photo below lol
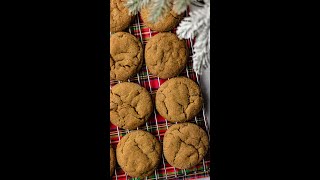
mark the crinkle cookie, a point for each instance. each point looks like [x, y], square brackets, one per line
[112, 161]
[185, 145]
[179, 99]
[119, 16]
[130, 105]
[166, 55]
[138, 153]
[126, 56]
[165, 23]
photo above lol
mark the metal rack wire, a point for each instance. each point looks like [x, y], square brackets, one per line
[157, 125]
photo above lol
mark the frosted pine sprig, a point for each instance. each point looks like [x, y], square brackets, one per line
[201, 52]
[180, 6]
[198, 25]
[192, 25]
[158, 9]
[135, 6]
[185, 29]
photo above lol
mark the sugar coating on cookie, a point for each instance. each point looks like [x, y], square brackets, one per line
[130, 105]
[119, 15]
[179, 99]
[126, 56]
[112, 161]
[138, 153]
[165, 23]
[166, 55]
[185, 145]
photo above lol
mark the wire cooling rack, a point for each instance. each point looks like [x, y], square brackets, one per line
[156, 124]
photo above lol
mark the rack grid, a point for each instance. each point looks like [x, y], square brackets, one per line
[156, 124]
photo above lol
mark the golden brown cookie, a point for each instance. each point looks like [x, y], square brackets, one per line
[130, 105]
[179, 99]
[138, 153]
[185, 145]
[112, 161]
[119, 15]
[165, 23]
[126, 56]
[166, 55]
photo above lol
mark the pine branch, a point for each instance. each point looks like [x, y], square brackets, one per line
[144, 2]
[192, 25]
[135, 6]
[158, 9]
[185, 29]
[198, 3]
[180, 6]
[201, 51]
[200, 18]
[198, 25]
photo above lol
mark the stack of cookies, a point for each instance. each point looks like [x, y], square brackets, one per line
[178, 99]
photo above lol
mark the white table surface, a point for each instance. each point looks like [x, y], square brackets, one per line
[205, 83]
[205, 88]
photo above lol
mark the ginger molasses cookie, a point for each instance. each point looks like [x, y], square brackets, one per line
[138, 153]
[165, 23]
[119, 15]
[130, 105]
[166, 55]
[112, 161]
[185, 145]
[126, 56]
[179, 99]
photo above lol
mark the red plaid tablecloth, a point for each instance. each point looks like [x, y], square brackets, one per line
[157, 125]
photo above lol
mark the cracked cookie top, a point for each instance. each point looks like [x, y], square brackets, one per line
[126, 54]
[138, 153]
[112, 161]
[165, 23]
[185, 145]
[179, 99]
[130, 105]
[166, 55]
[119, 16]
